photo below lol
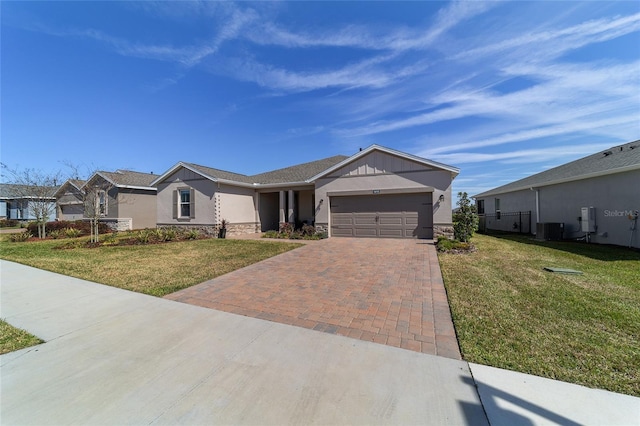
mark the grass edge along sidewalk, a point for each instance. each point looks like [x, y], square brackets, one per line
[509, 313]
[155, 269]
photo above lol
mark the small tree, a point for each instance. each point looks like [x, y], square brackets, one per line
[95, 198]
[35, 188]
[465, 220]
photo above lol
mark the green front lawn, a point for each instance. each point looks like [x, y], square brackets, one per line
[156, 269]
[510, 313]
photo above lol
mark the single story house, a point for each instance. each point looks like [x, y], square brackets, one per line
[70, 200]
[377, 192]
[595, 198]
[124, 199]
[17, 202]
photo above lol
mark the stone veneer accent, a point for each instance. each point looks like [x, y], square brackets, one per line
[443, 229]
[118, 224]
[322, 227]
[232, 228]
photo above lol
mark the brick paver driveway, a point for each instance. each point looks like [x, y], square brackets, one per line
[385, 291]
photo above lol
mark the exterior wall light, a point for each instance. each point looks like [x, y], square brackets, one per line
[441, 198]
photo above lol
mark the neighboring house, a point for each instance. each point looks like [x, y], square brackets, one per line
[596, 198]
[125, 199]
[17, 201]
[70, 200]
[378, 192]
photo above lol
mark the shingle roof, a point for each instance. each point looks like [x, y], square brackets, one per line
[220, 174]
[298, 173]
[129, 178]
[11, 190]
[610, 160]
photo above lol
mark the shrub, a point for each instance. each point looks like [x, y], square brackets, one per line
[55, 234]
[465, 220]
[72, 232]
[192, 234]
[20, 237]
[144, 236]
[9, 223]
[169, 234]
[286, 229]
[81, 225]
[453, 246]
[270, 234]
[308, 230]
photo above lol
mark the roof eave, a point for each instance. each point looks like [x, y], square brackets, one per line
[559, 181]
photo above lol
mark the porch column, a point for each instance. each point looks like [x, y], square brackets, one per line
[290, 210]
[281, 217]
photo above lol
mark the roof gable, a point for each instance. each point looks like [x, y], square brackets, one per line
[401, 155]
[126, 179]
[613, 160]
[76, 184]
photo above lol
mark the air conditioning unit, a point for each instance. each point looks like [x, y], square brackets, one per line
[549, 231]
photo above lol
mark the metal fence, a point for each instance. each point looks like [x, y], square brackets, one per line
[517, 222]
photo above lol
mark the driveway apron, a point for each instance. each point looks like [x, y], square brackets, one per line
[388, 291]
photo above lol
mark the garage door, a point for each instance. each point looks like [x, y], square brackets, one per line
[382, 216]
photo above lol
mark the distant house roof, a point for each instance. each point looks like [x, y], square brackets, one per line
[617, 159]
[127, 179]
[11, 191]
[76, 183]
[300, 173]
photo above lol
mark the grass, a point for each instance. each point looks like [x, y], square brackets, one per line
[509, 313]
[156, 269]
[13, 339]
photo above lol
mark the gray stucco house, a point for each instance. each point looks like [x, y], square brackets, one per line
[595, 198]
[377, 192]
[70, 200]
[126, 199]
[17, 201]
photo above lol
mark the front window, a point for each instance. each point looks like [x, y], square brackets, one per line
[497, 208]
[185, 203]
[480, 206]
[102, 203]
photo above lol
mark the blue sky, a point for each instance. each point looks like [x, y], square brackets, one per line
[500, 90]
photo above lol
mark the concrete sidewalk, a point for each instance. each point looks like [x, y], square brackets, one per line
[117, 357]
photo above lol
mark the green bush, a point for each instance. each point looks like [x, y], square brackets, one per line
[71, 232]
[444, 244]
[80, 225]
[56, 234]
[465, 220]
[20, 237]
[9, 223]
[192, 234]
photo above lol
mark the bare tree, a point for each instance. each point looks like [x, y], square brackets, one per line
[36, 189]
[95, 201]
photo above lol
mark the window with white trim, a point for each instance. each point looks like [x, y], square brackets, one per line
[497, 205]
[184, 203]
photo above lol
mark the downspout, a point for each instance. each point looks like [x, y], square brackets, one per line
[537, 206]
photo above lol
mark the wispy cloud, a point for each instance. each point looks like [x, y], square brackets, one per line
[525, 156]
[364, 37]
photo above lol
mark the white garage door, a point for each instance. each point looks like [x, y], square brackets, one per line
[382, 216]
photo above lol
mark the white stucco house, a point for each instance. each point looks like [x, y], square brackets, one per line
[595, 198]
[377, 192]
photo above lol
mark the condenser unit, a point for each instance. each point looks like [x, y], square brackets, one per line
[550, 231]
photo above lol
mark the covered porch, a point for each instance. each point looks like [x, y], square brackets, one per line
[286, 205]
